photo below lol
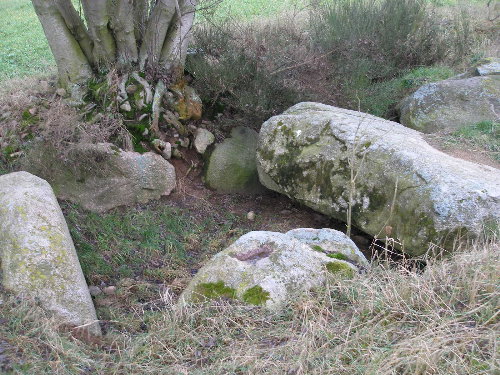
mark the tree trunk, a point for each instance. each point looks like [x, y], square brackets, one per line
[127, 35]
[73, 65]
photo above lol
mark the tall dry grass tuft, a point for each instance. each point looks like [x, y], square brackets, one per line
[443, 320]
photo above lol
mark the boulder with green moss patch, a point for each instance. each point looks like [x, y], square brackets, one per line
[333, 243]
[38, 258]
[452, 104]
[101, 176]
[404, 188]
[264, 268]
[231, 167]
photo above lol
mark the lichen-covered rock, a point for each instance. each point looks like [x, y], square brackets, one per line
[488, 66]
[332, 242]
[37, 254]
[264, 268]
[186, 102]
[101, 176]
[451, 104]
[404, 188]
[202, 139]
[231, 167]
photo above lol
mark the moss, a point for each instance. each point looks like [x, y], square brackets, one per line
[340, 268]
[266, 154]
[115, 149]
[317, 248]
[491, 228]
[137, 130]
[29, 119]
[338, 256]
[213, 291]
[97, 92]
[256, 295]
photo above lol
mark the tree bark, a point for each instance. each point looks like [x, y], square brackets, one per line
[72, 64]
[141, 9]
[129, 35]
[98, 19]
[174, 50]
[156, 31]
[76, 27]
[122, 24]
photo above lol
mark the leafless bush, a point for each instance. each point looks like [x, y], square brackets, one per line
[62, 126]
[256, 69]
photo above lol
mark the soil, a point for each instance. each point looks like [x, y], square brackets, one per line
[479, 156]
[273, 211]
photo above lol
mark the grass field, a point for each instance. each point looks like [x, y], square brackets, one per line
[23, 47]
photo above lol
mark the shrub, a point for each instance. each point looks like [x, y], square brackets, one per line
[374, 41]
[237, 67]
[351, 53]
[380, 99]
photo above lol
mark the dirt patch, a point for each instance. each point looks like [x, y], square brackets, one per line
[273, 212]
[460, 150]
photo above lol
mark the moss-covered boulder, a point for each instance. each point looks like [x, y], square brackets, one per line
[37, 254]
[264, 268]
[101, 176]
[231, 167]
[452, 104]
[404, 188]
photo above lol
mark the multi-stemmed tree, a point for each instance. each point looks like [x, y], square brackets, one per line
[132, 50]
[127, 35]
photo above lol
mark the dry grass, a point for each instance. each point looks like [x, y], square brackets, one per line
[32, 113]
[388, 321]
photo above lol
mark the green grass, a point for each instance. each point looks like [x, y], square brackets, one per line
[24, 50]
[156, 242]
[484, 134]
[248, 9]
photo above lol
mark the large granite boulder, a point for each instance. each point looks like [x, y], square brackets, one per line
[452, 103]
[231, 167]
[404, 188]
[101, 176]
[265, 268]
[37, 254]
